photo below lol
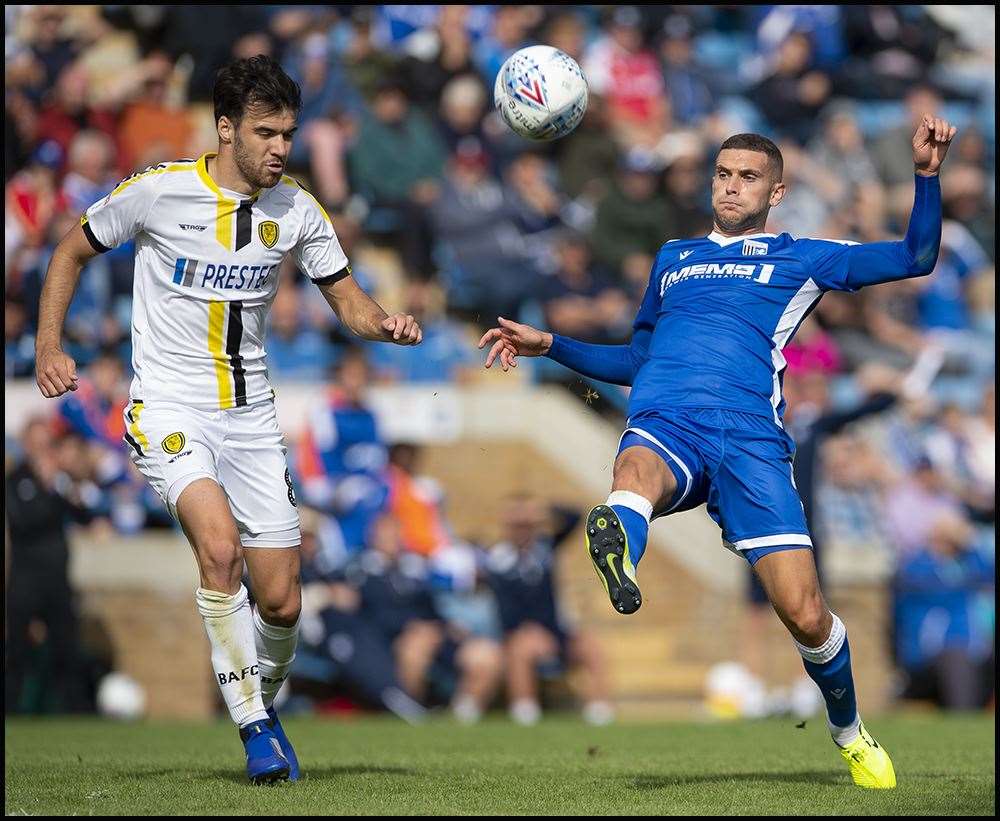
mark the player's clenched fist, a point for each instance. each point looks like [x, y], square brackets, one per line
[930, 144]
[402, 329]
[55, 372]
[512, 339]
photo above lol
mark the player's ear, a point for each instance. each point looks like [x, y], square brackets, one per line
[777, 193]
[226, 129]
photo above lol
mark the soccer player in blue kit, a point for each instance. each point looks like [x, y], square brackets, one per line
[705, 411]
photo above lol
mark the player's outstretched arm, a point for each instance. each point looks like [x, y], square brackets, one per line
[609, 363]
[877, 262]
[55, 370]
[365, 317]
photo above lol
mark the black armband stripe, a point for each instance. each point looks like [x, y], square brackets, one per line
[95, 243]
[341, 274]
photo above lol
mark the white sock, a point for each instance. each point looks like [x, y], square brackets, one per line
[633, 501]
[275, 654]
[234, 657]
[842, 736]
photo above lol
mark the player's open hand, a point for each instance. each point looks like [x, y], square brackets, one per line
[512, 339]
[931, 143]
[402, 329]
[55, 372]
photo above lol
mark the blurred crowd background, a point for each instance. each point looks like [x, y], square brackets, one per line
[447, 215]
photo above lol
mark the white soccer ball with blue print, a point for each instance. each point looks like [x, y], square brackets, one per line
[541, 93]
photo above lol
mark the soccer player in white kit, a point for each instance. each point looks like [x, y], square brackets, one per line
[210, 235]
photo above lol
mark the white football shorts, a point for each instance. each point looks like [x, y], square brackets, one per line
[242, 449]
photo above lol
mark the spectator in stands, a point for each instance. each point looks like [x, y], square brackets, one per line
[850, 512]
[462, 110]
[479, 237]
[68, 111]
[588, 158]
[331, 108]
[691, 99]
[395, 597]
[338, 646]
[793, 92]
[813, 350]
[153, 127]
[368, 67]
[89, 175]
[396, 165]
[620, 68]
[580, 300]
[633, 216]
[839, 149]
[445, 55]
[914, 505]
[43, 495]
[941, 644]
[521, 571]
[341, 459]
[966, 202]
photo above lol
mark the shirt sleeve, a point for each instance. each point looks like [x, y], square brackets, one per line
[121, 215]
[318, 253]
[837, 265]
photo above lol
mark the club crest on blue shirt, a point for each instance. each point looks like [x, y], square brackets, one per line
[752, 248]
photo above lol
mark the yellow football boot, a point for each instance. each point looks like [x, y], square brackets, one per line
[869, 763]
[607, 546]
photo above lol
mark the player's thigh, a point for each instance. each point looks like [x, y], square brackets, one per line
[753, 498]
[172, 446]
[203, 512]
[664, 444]
[254, 471]
[640, 470]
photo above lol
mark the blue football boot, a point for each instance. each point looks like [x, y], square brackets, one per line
[286, 745]
[265, 761]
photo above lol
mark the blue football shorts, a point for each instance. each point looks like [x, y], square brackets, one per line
[738, 464]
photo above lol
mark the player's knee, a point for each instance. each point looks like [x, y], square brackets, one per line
[280, 614]
[221, 562]
[811, 621]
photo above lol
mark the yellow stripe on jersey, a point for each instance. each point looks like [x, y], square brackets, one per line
[216, 319]
[137, 434]
[294, 182]
[176, 166]
[225, 208]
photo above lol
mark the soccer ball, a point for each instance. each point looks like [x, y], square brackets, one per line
[121, 696]
[541, 93]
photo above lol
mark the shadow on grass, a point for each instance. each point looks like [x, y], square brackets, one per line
[313, 773]
[659, 782]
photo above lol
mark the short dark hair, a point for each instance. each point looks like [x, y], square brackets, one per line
[757, 142]
[254, 81]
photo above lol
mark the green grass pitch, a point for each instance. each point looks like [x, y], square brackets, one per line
[375, 765]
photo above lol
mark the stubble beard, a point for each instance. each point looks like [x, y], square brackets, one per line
[739, 225]
[257, 177]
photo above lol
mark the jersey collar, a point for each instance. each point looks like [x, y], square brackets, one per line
[719, 239]
[210, 184]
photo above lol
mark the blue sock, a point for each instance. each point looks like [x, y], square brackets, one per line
[634, 513]
[830, 667]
